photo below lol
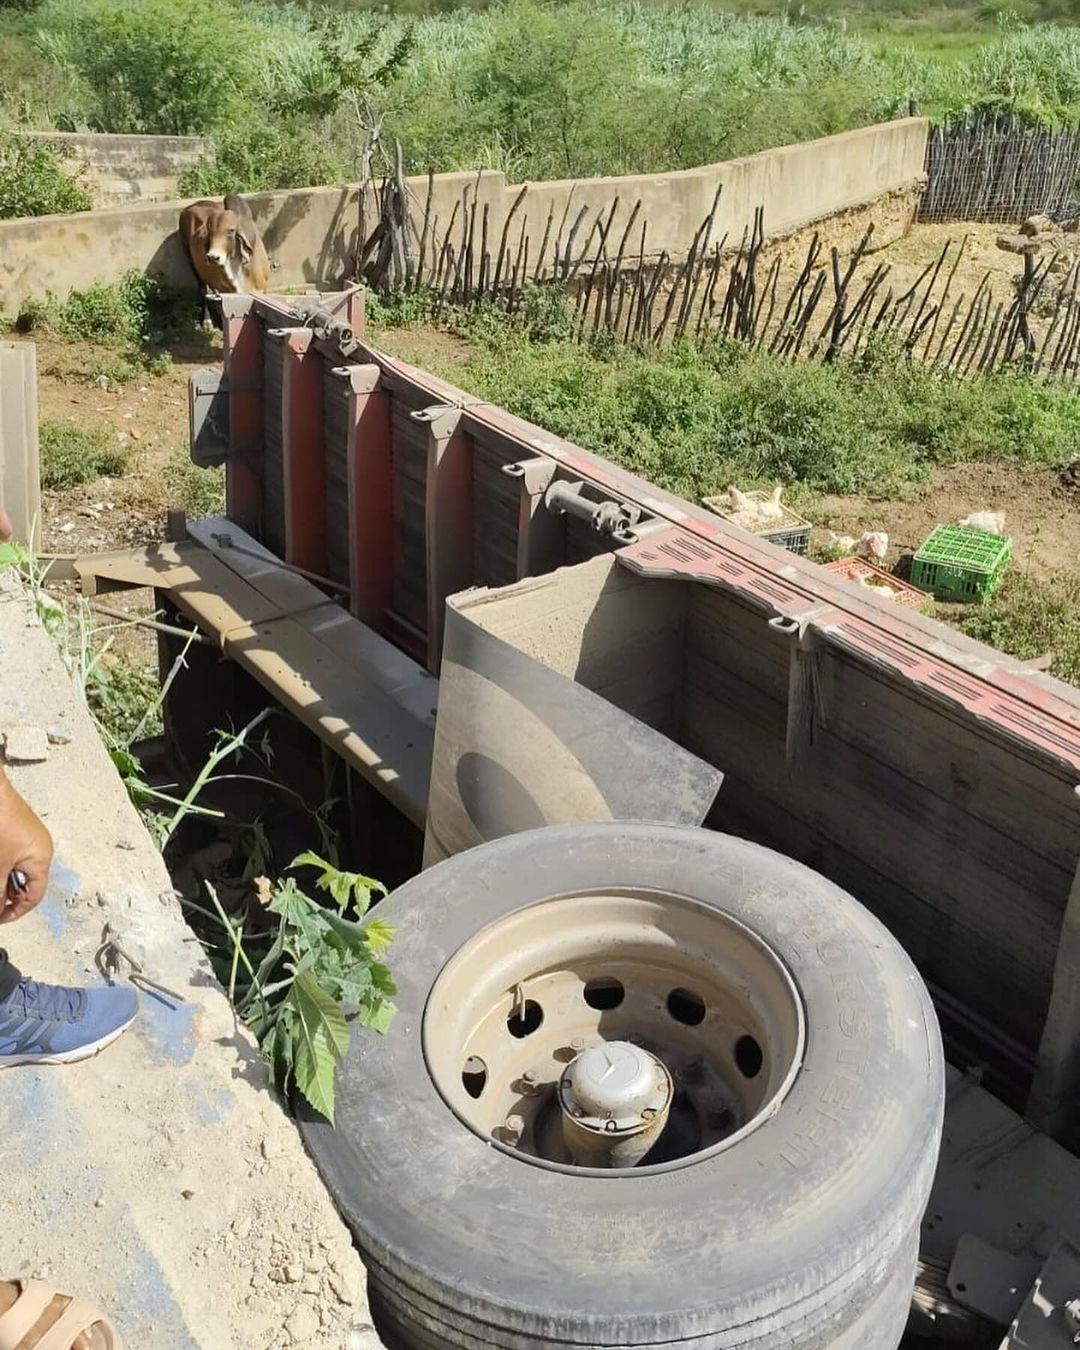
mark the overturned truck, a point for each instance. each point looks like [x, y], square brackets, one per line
[700, 845]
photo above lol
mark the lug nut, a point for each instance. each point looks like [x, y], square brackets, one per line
[514, 1129]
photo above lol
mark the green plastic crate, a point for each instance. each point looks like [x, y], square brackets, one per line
[960, 564]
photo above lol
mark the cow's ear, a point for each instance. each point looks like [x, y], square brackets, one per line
[246, 245]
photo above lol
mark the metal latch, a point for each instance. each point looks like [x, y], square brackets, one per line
[613, 520]
[208, 418]
[329, 327]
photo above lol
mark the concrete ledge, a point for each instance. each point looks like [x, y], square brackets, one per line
[160, 1179]
[117, 168]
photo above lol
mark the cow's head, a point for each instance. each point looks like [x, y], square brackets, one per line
[228, 239]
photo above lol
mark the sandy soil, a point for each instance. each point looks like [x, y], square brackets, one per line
[146, 415]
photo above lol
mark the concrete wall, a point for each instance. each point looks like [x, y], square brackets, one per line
[119, 169]
[311, 234]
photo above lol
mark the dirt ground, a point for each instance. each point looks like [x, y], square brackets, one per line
[148, 416]
[1043, 516]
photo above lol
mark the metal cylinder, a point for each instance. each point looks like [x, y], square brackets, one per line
[615, 1099]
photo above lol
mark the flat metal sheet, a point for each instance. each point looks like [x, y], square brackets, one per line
[519, 746]
[1043, 1322]
[989, 1281]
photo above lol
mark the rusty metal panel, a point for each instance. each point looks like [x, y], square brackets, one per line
[273, 482]
[409, 440]
[20, 468]
[302, 452]
[496, 498]
[337, 440]
[242, 335]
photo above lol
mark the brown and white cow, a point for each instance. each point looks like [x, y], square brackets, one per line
[224, 248]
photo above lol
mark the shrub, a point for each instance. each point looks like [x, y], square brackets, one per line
[71, 455]
[698, 416]
[201, 492]
[153, 65]
[137, 312]
[35, 182]
[1027, 618]
[262, 156]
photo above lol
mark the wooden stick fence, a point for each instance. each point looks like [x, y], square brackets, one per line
[995, 169]
[615, 286]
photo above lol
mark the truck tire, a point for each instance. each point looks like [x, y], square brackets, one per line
[797, 1229]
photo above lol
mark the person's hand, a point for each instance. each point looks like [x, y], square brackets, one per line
[25, 846]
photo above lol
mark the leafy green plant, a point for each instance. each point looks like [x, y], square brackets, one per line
[1027, 618]
[154, 66]
[262, 155]
[697, 416]
[201, 492]
[34, 181]
[314, 971]
[71, 455]
[138, 315]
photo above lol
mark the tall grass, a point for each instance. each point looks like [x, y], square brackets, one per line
[539, 89]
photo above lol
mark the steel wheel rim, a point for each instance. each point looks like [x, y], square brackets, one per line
[522, 998]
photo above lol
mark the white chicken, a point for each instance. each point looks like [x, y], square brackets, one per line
[873, 544]
[841, 544]
[993, 522]
[741, 504]
[747, 510]
[771, 509]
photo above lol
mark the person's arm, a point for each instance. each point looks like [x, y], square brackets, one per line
[26, 847]
[25, 844]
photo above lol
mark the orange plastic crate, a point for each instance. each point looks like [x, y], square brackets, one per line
[858, 569]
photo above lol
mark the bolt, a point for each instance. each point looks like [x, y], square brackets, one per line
[515, 1128]
[577, 1043]
[528, 1076]
[611, 1126]
[528, 1084]
[649, 1113]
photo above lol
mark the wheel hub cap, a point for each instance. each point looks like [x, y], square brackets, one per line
[615, 1099]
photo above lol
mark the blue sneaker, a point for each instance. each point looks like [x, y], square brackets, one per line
[48, 1024]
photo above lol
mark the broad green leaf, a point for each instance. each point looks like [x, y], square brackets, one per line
[379, 934]
[382, 979]
[354, 985]
[341, 885]
[377, 1012]
[322, 1037]
[13, 555]
[127, 766]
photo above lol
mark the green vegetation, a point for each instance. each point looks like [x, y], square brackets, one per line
[539, 89]
[35, 182]
[201, 492]
[696, 417]
[293, 980]
[71, 455]
[1028, 618]
[136, 311]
